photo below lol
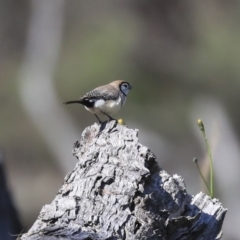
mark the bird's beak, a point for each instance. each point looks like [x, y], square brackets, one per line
[130, 87]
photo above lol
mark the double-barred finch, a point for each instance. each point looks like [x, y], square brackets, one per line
[105, 100]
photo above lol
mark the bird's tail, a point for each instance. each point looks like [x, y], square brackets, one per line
[75, 101]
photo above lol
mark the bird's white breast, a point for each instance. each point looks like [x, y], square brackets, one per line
[110, 106]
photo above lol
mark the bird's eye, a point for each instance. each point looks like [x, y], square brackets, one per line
[125, 85]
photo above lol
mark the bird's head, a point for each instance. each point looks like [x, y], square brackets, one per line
[123, 86]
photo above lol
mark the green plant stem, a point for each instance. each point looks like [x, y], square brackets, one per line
[211, 164]
[202, 128]
[203, 178]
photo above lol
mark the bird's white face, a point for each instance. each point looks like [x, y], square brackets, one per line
[125, 87]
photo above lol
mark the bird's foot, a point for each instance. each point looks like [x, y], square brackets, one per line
[111, 119]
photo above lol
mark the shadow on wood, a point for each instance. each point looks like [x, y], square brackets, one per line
[118, 191]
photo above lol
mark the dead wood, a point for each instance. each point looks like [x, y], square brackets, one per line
[118, 191]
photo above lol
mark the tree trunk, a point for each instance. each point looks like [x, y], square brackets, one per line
[118, 191]
[10, 224]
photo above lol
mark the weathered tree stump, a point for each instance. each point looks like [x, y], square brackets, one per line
[118, 191]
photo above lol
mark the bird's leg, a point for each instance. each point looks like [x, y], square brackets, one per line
[98, 118]
[110, 118]
[102, 125]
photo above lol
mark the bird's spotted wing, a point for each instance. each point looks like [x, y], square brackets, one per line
[104, 92]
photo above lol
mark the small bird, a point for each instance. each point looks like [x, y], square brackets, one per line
[105, 100]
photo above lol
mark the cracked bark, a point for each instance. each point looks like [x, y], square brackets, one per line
[118, 191]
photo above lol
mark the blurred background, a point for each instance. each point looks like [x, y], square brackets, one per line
[181, 57]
